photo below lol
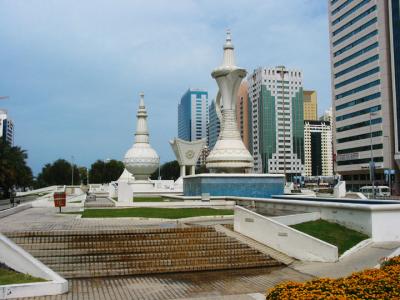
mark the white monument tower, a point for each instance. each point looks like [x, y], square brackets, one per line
[141, 160]
[229, 154]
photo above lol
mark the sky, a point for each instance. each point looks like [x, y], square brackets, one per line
[74, 69]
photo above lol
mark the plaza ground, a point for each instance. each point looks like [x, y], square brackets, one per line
[225, 284]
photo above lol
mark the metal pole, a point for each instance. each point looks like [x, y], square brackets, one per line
[72, 168]
[87, 176]
[371, 164]
[159, 167]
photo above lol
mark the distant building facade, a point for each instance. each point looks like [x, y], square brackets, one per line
[193, 115]
[6, 128]
[277, 120]
[242, 112]
[365, 51]
[310, 105]
[318, 148]
[214, 126]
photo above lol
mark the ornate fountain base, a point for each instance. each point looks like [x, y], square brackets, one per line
[240, 185]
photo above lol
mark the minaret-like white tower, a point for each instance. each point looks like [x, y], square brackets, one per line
[229, 154]
[141, 160]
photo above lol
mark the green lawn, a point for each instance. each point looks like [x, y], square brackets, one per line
[148, 199]
[150, 212]
[12, 277]
[332, 233]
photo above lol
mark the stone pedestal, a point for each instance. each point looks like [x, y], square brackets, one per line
[126, 191]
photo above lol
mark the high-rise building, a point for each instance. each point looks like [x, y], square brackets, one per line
[361, 54]
[310, 105]
[193, 115]
[214, 126]
[318, 148]
[242, 112]
[6, 128]
[394, 26]
[277, 121]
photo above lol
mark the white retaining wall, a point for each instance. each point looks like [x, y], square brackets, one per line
[297, 218]
[283, 238]
[18, 259]
[379, 221]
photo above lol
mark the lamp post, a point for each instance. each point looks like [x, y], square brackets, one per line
[281, 70]
[390, 164]
[72, 168]
[371, 163]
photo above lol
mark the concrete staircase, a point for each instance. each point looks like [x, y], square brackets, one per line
[78, 254]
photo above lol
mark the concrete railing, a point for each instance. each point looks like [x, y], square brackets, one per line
[283, 238]
[289, 220]
[18, 259]
[47, 189]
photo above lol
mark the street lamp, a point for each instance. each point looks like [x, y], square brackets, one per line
[282, 71]
[390, 164]
[72, 168]
[372, 163]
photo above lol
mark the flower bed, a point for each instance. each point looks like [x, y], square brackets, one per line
[383, 283]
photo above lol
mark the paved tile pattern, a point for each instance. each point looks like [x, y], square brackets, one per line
[48, 219]
[181, 286]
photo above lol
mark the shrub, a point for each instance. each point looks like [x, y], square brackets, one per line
[383, 283]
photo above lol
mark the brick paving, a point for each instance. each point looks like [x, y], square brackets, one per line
[210, 284]
[180, 285]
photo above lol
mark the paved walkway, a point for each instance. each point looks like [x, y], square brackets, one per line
[367, 257]
[48, 219]
[210, 285]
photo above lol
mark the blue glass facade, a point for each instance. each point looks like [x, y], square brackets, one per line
[193, 115]
[214, 126]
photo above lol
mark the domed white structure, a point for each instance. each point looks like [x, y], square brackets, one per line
[141, 160]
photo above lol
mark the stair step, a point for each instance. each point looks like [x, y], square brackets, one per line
[134, 243]
[144, 264]
[169, 269]
[119, 237]
[145, 231]
[130, 250]
[143, 256]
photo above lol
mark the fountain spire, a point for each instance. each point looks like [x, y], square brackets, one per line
[141, 160]
[229, 154]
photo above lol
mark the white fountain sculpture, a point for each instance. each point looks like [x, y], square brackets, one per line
[141, 160]
[229, 154]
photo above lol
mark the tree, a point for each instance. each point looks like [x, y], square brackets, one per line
[104, 172]
[14, 172]
[58, 173]
[168, 171]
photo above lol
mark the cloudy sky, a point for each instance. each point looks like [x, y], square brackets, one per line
[74, 69]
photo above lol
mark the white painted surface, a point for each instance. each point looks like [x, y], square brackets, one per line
[14, 210]
[18, 259]
[125, 193]
[386, 225]
[339, 191]
[289, 220]
[379, 221]
[283, 238]
[356, 248]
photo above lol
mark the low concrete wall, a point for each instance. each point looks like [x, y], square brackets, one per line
[18, 259]
[14, 210]
[297, 218]
[283, 238]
